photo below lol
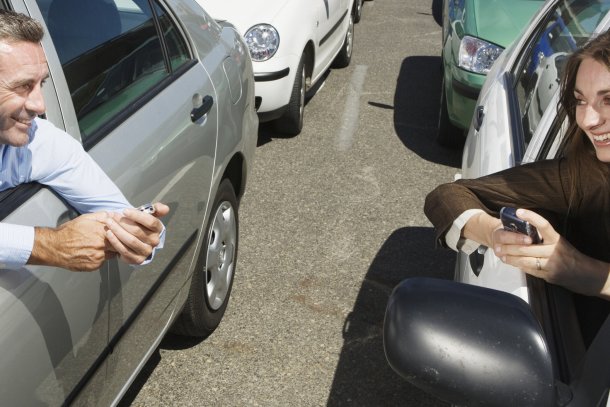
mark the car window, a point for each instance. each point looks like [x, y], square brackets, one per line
[112, 55]
[537, 75]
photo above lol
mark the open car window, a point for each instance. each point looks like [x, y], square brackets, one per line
[538, 72]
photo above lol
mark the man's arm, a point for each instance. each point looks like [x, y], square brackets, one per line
[77, 245]
[60, 162]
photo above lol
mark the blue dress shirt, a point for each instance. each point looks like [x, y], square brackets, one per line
[53, 158]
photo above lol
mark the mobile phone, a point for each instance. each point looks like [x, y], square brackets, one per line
[512, 222]
[147, 208]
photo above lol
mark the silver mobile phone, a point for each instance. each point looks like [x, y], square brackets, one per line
[512, 222]
[147, 208]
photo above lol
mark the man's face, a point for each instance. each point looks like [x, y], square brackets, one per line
[23, 69]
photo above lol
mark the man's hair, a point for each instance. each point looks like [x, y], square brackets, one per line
[16, 27]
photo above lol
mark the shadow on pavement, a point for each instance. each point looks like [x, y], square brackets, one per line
[416, 107]
[437, 11]
[170, 341]
[363, 376]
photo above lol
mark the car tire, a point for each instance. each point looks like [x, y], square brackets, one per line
[448, 135]
[213, 277]
[344, 56]
[358, 10]
[291, 122]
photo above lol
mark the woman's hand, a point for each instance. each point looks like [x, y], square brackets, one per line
[554, 260]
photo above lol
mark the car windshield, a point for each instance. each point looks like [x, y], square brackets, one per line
[538, 73]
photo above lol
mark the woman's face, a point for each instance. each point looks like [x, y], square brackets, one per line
[592, 93]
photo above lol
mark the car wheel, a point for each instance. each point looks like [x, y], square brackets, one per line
[291, 122]
[344, 56]
[213, 277]
[448, 135]
[358, 10]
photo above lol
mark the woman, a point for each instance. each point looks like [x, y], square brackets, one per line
[567, 199]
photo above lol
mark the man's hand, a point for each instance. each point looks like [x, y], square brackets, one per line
[78, 245]
[134, 234]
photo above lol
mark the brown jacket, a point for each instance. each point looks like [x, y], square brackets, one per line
[542, 186]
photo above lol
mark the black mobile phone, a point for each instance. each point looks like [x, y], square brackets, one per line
[147, 208]
[512, 222]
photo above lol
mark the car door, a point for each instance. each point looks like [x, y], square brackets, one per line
[572, 321]
[54, 321]
[515, 113]
[495, 142]
[332, 16]
[146, 111]
[531, 82]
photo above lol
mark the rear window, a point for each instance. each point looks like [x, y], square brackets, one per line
[112, 54]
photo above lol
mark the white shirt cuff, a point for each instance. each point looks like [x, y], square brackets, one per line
[16, 243]
[453, 237]
[158, 247]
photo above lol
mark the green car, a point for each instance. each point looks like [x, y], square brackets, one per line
[475, 32]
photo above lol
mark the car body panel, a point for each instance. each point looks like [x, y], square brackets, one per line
[497, 21]
[319, 24]
[55, 321]
[83, 337]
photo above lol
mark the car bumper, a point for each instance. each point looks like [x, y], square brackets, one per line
[273, 85]
[462, 97]
[271, 76]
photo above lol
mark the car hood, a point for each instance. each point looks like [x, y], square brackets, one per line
[501, 21]
[243, 14]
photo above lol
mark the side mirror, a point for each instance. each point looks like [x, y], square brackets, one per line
[468, 345]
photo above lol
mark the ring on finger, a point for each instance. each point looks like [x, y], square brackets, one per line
[538, 266]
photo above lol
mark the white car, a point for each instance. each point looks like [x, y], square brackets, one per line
[292, 44]
[505, 338]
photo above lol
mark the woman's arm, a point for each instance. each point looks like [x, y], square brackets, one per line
[541, 184]
[480, 228]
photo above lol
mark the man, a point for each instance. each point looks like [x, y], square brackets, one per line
[32, 149]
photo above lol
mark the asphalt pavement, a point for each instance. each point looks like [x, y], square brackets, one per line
[331, 221]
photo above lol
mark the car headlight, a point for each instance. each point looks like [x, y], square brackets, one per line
[263, 41]
[477, 55]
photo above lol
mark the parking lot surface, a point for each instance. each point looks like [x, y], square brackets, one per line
[331, 221]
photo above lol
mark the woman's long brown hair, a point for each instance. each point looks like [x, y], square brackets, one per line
[579, 150]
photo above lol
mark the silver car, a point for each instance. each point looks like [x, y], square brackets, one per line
[526, 342]
[162, 97]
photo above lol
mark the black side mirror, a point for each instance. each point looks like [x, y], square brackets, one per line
[468, 345]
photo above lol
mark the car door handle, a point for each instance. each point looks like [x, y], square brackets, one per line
[67, 216]
[206, 105]
[479, 114]
[476, 260]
